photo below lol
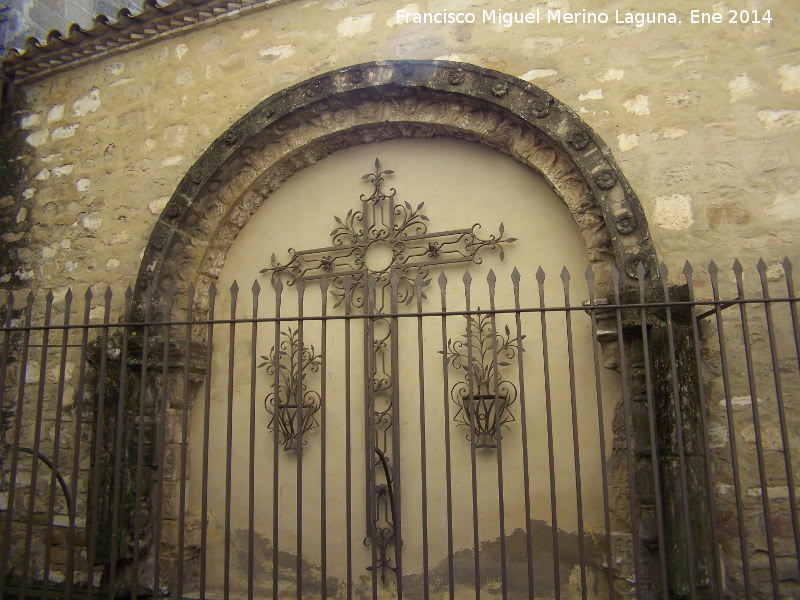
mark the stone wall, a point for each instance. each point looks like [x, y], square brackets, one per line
[702, 119]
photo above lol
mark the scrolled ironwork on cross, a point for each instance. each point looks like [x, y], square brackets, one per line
[378, 259]
[382, 236]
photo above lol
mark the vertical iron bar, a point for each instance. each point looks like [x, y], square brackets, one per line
[396, 483]
[369, 380]
[687, 270]
[472, 441]
[301, 287]
[51, 504]
[601, 427]
[540, 276]
[526, 480]
[448, 477]
[137, 526]
[123, 372]
[787, 268]
[9, 307]
[76, 452]
[98, 441]
[565, 277]
[12, 478]
[370, 438]
[251, 500]
[651, 418]
[676, 396]
[212, 295]
[637, 559]
[491, 280]
[323, 492]
[226, 581]
[37, 437]
[187, 357]
[347, 283]
[418, 284]
[737, 484]
[161, 441]
[787, 453]
[762, 473]
[276, 417]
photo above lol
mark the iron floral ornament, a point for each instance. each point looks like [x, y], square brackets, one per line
[295, 406]
[485, 396]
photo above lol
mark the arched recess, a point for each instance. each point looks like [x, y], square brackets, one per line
[375, 102]
[378, 101]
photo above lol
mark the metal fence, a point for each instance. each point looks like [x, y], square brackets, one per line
[302, 443]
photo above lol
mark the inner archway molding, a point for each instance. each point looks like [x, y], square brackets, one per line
[378, 101]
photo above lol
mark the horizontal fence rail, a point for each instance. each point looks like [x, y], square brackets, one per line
[511, 436]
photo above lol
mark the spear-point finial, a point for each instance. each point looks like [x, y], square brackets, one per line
[640, 271]
[663, 272]
[787, 265]
[738, 269]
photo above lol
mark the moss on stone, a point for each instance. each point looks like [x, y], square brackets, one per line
[12, 176]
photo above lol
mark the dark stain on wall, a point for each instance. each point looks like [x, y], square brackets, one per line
[463, 568]
[517, 565]
[13, 148]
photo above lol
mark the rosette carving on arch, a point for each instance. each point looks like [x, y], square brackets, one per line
[305, 123]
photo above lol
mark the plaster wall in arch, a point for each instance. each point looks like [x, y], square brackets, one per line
[460, 183]
[386, 100]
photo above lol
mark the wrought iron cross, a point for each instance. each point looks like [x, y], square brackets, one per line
[384, 246]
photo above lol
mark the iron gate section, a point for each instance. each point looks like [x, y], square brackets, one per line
[679, 482]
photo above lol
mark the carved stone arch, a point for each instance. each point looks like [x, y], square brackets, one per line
[378, 101]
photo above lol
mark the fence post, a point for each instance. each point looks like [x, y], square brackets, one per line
[680, 438]
[646, 348]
